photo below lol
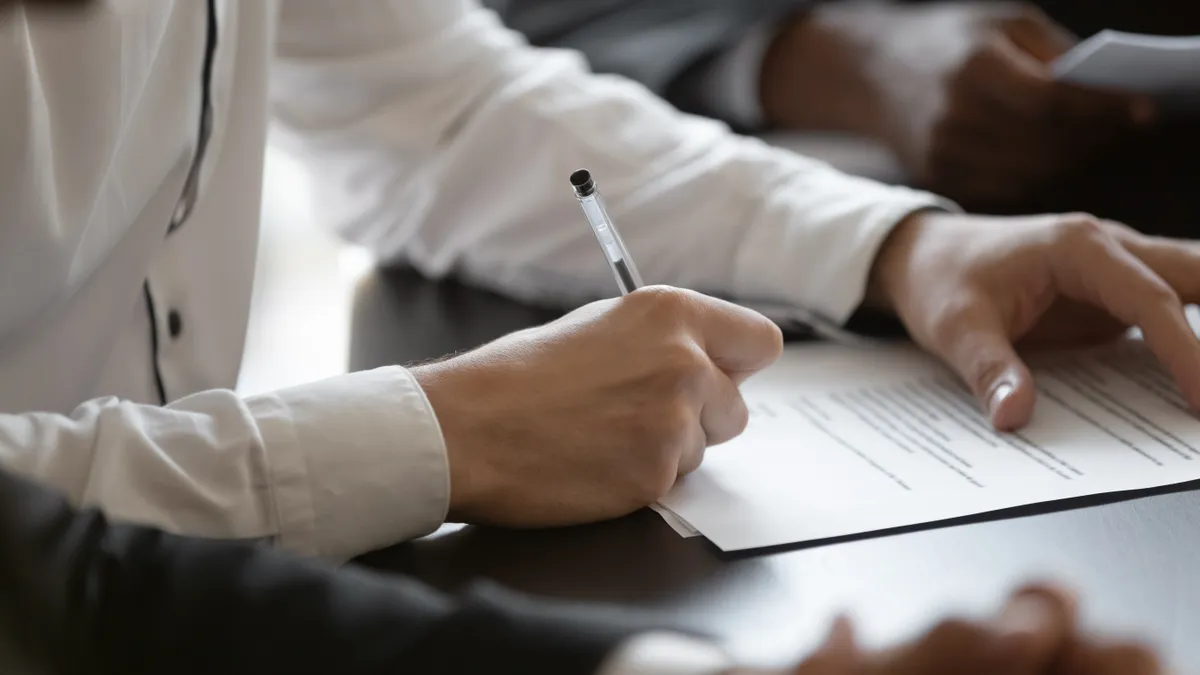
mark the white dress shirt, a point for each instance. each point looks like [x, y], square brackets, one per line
[131, 156]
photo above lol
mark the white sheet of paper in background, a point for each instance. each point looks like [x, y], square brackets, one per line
[1165, 68]
[844, 441]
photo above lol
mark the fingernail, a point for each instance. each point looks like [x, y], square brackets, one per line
[1143, 111]
[1026, 614]
[1000, 394]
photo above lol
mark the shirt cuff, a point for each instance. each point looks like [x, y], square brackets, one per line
[666, 654]
[728, 86]
[355, 463]
[823, 266]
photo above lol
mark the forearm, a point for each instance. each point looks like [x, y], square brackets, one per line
[333, 468]
[818, 74]
[650, 41]
[464, 138]
[79, 594]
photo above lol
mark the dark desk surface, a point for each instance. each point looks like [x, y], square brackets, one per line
[1137, 563]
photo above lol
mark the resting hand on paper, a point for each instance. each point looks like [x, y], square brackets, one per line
[962, 91]
[595, 415]
[969, 288]
[1034, 634]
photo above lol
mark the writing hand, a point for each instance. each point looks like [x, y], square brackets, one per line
[595, 415]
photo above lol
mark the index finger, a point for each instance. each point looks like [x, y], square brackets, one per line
[1177, 261]
[738, 340]
[1096, 269]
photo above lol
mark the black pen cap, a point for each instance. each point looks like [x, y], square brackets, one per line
[582, 181]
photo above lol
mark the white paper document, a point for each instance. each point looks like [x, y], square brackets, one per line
[844, 440]
[681, 527]
[1164, 68]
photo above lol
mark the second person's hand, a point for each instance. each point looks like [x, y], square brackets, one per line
[970, 289]
[975, 110]
[1035, 633]
[595, 415]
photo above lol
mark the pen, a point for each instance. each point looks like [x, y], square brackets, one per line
[615, 252]
[629, 280]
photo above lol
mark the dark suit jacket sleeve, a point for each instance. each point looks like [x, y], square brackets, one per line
[81, 595]
[652, 41]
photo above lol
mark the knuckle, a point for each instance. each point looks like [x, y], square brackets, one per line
[663, 302]
[682, 363]
[1124, 234]
[1081, 229]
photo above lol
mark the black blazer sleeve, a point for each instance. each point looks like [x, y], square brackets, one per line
[81, 595]
[652, 41]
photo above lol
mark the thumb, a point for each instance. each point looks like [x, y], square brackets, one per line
[979, 350]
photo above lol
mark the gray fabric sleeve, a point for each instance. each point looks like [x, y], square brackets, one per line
[652, 41]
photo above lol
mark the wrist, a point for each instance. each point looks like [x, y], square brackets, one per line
[889, 273]
[438, 380]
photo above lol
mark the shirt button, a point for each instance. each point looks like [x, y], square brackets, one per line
[181, 213]
[174, 323]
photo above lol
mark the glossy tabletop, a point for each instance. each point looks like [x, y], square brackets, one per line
[1135, 561]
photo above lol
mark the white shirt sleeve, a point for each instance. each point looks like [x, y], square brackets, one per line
[333, 469]
[666, 654]
[440, 138]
